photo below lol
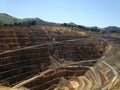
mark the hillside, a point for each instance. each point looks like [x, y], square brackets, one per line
[6, 19]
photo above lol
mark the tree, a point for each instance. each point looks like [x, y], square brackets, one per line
[33, 22]
[15, 23]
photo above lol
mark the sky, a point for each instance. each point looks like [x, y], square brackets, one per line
[99, 13]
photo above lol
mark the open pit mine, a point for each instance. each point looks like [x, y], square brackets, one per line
[53, 58]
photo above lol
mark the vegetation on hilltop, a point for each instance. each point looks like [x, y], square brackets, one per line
[7, 20]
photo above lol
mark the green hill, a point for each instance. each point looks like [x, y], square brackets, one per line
[6, 19]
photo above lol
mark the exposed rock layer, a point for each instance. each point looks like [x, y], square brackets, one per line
[26, 51]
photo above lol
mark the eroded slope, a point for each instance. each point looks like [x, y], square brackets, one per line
[30, 51]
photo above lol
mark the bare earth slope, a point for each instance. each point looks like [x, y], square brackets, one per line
[42, 57]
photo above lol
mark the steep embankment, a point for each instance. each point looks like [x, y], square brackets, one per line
[12, 38]
[28, 51]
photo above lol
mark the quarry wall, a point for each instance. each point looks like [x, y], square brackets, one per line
[25, 52]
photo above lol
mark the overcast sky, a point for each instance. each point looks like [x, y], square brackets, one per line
[99, 13]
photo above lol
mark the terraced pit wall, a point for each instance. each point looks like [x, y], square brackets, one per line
[12, 38]
[25, 52]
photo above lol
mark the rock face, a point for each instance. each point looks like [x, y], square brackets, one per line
[12, 38]
[101, 76]
[28, 51]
